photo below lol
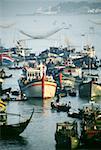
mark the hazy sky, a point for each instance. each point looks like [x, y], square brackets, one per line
[11, 7]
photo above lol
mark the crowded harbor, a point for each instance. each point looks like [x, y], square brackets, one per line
[55, 74]
[50, 76]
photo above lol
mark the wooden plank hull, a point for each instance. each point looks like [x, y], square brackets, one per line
[38, 89]
[13, 130]
[89, 89]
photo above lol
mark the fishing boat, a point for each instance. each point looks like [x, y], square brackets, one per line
[91, 125]
[61, 91]
[72, 70]
[35, 83]
[66, 135]
[9, 97]
[72, 92]
[4, 91]
[60, 107]
[90, 89]
[75, 113]
[3, 74]
[12, 130]
[14, 67]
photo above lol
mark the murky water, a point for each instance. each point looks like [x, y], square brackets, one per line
[39, 135]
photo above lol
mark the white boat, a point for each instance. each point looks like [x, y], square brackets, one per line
[41, 11]
[36, 84]
[71, 69]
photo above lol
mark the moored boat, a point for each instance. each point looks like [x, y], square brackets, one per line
[3, 74]
[90, 89]
[91, 125]
[72, 92]
[75, 114]
[60, 107]
[14, 129]
[66, 135]
[15, 67]
[72, 70]
[62, 92]
[35, 83]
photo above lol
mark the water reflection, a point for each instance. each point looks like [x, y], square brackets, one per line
[97, 99]
[13, 143]
[39, 102]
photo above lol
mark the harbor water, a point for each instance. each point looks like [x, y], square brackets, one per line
[39, 134]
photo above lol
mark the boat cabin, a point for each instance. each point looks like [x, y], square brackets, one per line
[34, 72]
[67, 127]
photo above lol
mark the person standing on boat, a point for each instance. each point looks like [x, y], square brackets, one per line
[8, 96]
[58, 98]
[2, 73]
[69, 104]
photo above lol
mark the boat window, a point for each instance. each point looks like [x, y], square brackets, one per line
[69, 127]
[69, 70]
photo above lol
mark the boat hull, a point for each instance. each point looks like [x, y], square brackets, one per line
[12, 130]
[66, 135]
[91, 137]
[68, 142]
[39, 89]
[90, 90]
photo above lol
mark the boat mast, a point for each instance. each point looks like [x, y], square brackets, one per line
[43, 78]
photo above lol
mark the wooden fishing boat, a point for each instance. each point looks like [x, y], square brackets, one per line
[13, 95]
[15, 98]
[3, 75]
[72, 70]
[7, 76]
[66, 135]
[15, 67]
[4, 91]
[12, 130]
[72, 92]
[60, 107]
[75, 114]
[91, 125]
[62, 92]
[90, 89]
[36, 84]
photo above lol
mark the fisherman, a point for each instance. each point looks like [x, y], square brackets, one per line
[22, 95]
[52, 104]
[8, 96]
[2, 73]
[69, 104]
[17, 62]
[58, 98]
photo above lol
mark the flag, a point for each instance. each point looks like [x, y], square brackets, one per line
[6, 59]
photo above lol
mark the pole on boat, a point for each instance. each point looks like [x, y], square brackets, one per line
[43, 77]
[60, 79]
